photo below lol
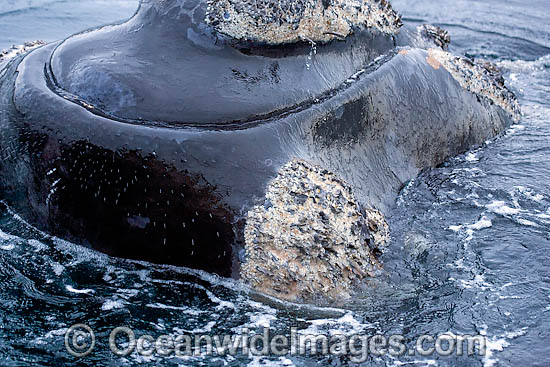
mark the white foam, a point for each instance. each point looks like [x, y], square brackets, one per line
[498, 344]
[529, 194]
[500, 207]
[112, 304]
[127, 293]
[345, 325]
[459, 264]
[55, 333]
[493, 345]
[206, 329]
[471, 157]
[478, 282]
[265, 362]
[181, 309]
[79, 253]
[424, 362]
[509, 297]
[79, 291]
[39, 246]
[482, 223]
[7, 247]
[527, 223]
[262, 320]
[221, 303]
[401, 200]
[9, 239]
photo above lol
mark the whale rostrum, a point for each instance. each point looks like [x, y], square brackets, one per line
[265, 141]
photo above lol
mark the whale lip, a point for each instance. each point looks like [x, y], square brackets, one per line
[167, 67]
[239, 124]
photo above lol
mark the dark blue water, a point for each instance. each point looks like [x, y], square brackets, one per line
[469, 253]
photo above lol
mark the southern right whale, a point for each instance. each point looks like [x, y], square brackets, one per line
[256, 139]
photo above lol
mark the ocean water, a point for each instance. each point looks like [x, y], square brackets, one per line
[470, 240]
[51, 20]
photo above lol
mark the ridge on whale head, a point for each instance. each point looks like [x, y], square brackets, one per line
[244, 138]
[168, 66]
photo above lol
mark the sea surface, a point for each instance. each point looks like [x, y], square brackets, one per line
[470, 249]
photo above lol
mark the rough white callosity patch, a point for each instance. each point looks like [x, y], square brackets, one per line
[438, 35]
[288, 21]
[8, 54]
[310, 238]
[480, 78]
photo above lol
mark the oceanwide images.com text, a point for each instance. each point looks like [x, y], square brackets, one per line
[80, 341]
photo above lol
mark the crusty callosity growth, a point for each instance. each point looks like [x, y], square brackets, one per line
[481, 78]
[440, 36]
[17, 50]
[310, 238]
[278, 22]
